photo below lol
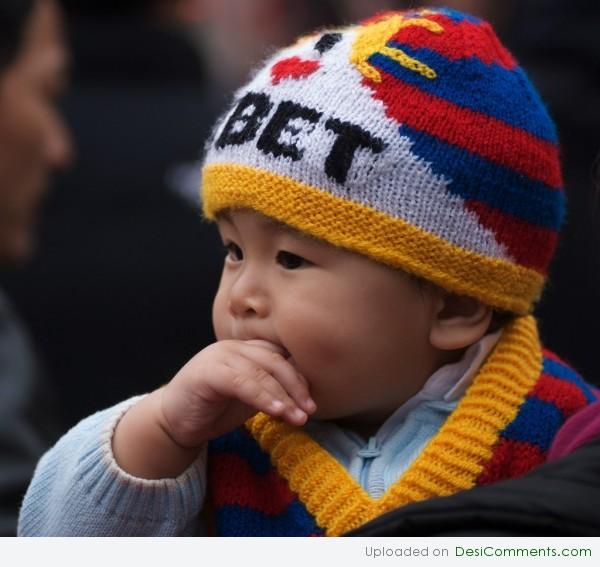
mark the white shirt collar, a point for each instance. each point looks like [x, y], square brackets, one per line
[446, 384]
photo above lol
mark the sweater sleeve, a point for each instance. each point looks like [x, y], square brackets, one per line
[78, 489]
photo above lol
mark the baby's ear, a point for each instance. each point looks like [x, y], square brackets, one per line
[457, 321]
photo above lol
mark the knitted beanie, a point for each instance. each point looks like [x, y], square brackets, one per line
[414, 139]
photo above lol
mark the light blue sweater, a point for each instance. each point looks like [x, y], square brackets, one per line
[78, 489]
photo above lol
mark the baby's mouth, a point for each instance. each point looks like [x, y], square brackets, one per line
[287, 355]
[290, 360]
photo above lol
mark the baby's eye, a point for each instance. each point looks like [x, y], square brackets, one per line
[290, 261]
[234, 252]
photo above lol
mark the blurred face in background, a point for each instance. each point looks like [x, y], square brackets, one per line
[33, 138]
[236, 35]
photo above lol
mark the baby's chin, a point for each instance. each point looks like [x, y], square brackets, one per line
[365, 423]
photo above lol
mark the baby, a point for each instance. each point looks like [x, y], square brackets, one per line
[389, 197]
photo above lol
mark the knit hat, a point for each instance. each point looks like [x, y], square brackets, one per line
[414, 139]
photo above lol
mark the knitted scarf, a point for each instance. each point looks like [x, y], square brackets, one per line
[272, 479]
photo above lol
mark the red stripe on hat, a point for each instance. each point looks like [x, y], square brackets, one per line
[378, 16]
[459, 40]
[530, 245]
[473, 131]
[240, 485]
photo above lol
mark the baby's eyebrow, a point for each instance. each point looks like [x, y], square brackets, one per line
[272, 225]
[277, 226]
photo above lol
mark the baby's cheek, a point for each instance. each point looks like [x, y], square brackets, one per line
[315, 339]
[320, 357]
[220, 319]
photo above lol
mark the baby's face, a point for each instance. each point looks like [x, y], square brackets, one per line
[357, 330]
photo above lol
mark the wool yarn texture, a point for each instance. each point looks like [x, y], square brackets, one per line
[413, 138]
[274, 479]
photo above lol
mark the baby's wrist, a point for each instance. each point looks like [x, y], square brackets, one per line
[195, 442]
[143, 445]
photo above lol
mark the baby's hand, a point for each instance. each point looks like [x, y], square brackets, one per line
[228, 382]
[217, 390]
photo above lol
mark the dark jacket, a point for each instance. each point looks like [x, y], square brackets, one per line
[559, 498]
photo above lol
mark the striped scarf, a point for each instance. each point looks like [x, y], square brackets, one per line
[272, 479]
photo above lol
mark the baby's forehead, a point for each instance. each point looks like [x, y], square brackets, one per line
[326, 251]
[264, 222]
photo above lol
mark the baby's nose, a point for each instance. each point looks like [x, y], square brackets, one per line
[248, 298]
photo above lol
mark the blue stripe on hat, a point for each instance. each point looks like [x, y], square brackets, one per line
[505, 95]
[455, 16]
[474, 177]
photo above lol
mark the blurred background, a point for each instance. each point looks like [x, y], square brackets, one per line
[118, 295]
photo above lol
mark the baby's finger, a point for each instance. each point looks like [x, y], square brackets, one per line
[254, 386]
[280, 368]
[266, 345]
